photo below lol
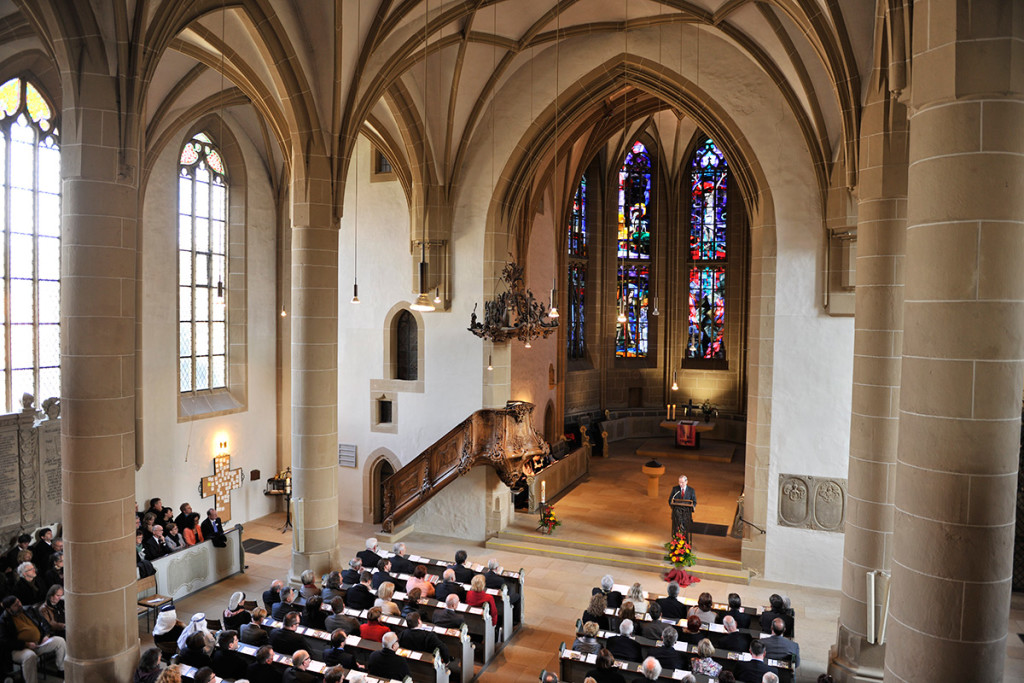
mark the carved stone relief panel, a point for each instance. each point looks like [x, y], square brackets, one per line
[812, 502]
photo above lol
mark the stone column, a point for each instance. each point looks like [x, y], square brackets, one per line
[314, 326]
[878, 342]
[962, 373]
[99, 223]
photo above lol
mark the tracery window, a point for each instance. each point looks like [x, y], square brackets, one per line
[202, 266]
[634, 253]
[407, 361]
[30, 199]
[577, 280]
[709, 174]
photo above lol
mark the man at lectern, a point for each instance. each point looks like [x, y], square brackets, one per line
[683, 500]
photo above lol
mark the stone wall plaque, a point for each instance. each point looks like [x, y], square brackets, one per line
[49, 470]
[10, 479]
[810, 502]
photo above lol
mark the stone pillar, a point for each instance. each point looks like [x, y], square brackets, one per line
[99, 224]
[962, 373]
[314, 319]
[878, 342]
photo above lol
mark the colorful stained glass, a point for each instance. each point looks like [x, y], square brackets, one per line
[213, 157]
[189, 154]
[709, 176]
[35, 104]
[10, 97]
[633, 297]
[577, 295]
[634, 238]
[707, 313]
[577, 237]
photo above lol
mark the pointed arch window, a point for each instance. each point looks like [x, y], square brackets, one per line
[30, 199]
[577, 263]
[634, 253]
[709, 176]
[202, 266]
[406, 346]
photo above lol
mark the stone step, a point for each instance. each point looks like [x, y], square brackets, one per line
[607, 555]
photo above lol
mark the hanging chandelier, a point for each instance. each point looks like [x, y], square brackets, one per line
[514, 313]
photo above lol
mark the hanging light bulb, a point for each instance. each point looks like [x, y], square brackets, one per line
[490, 365]
[553, 313]
[528, 345]
[655, 312]
[675, 385]
[621, 317]
[423, 302]
[355, 293]
[284, 313]
[437, 297]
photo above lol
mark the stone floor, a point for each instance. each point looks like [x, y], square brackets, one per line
[604, 505]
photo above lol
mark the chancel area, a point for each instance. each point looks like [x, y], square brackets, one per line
[447, 272]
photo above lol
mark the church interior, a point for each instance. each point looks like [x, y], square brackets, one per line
[423, 270]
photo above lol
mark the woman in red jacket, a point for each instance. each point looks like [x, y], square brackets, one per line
[373, 629]
[477, 595]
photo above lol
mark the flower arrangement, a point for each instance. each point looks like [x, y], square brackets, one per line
[548, 521]
[679, 552]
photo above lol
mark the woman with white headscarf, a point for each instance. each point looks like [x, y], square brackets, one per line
[197, 624]
[236, 614]
[167, 628]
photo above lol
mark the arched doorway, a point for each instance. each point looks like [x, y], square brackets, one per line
[384, 470]
[383, 463]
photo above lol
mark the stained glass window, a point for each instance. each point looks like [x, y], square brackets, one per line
[30, 267]
[577, 296]
[709, 174]
[633, 293]
[577, 238]
[634, 201]
[202, 267]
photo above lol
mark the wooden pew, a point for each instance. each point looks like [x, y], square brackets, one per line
[284, 661]
[573, 668]
[714, 631]
[720, 607]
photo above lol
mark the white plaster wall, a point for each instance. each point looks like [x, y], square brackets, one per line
[459, 511]
[452, 369]
[178, 455]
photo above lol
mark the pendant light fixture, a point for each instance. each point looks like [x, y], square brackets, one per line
[622, 276]
[423, 302]
[355, 229]
[675, 384]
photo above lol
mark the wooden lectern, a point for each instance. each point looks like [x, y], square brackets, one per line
[682, 516]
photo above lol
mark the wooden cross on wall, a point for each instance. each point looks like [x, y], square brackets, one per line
[220, 485]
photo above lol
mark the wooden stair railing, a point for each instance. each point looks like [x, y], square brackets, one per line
[504, 438]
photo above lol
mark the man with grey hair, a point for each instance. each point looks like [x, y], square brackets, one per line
[350, 576]
[671, 607]
[286, 605]
[447, 616]
[492, 578]
[688, 678]
[651, 669]
[613, 597]
[385, 662]
[667, 654]
[298, 673]
[370, 557]
[623, 646]
[733, 640]
[769, 678]
[548, 677]
[448, 586]
[400, 563]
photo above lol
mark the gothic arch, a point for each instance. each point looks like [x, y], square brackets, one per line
[390, 370]
[380, 464]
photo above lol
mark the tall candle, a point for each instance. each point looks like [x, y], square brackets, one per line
[668, 412]
[543, 491]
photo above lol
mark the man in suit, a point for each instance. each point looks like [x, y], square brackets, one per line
[671, 607]
[360, 596]
[286, 639]
[780, 647]
[654, 628]
[186, 510]
[400, 563]
[493, 579]
[338, 618]
[262, 670]
[463, 574]
[736, 611]
[733, 640]
[666, 654]
[227, 663]
[350, 576]
[607, 587]
[253, 633]
[623, 646]
[213, 528]
[778, 610]
[336, 653]
[286, 605]
[42, 548]
[297, 672]
[383, 574]
[370, 557]
[682, 517]
[650, 669]
[273, 594]
[447, 616]
[385, 663]
[156, 545]
[10, 561]
[417, 638]
[754, 670]
[448, 586]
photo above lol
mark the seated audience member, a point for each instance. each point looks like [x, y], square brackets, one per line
[180, 520]
[400, 562]
[415, 637]
[175, 541]
[690, 678]
[623, 646]
[370, 557]
[384, 595]
[666, 653]
[383, 574]
[606, 671]
[313, 616]
[419, 580]
[703, 609]
[350, 576]
[167, 628]
[149, 667]
[285, 639]
[636, 596]
[650, 669]
[478, 595]
[54, 576]
[236, 615]
[463, 574]
[548, 677]
[703, 662]
[780, 647]
[414, 603]
[769, 678]
[42, 548]
[192, 532]
[587, 643]
[52, 610]
[448, 586]
[298, 671]
[612, 596]
[671, 607]
[253, 633]
[226, 661]
[754, 670]
[309, 587]
[286, 605]
[373, 629]
[626, 611]
[10, 558]
[652, 629]
[733, 640]
[692, 633]
[336, 653]
[447, 616]
[336, 674]
[204, 675]
[360, 596]
[736, 612]
[332, 587]
[166, 519]
[262, 670]
[26, 638]
[272, 595]
[148, 520]
[339, 619]
[595, 611]
[385, 662]
[194, 652]
[156, 507]
[213, 529]
[28, 588]
[155, 546]
[778, 611]
[171, 674]
[493, 579]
